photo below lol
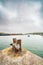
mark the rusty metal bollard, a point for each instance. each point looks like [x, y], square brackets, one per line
[12, 44]
[16, 45]
[19, 42]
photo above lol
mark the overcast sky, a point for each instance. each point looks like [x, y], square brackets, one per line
[20, 16]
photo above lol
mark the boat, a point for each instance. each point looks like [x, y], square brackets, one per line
[28, 35]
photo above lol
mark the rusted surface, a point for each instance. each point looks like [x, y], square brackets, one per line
[19, 42]
[14, 40]
[16, 45]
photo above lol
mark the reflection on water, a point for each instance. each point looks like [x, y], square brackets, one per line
[34, 43]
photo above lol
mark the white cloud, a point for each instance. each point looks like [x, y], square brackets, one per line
[10, 14]
[25, 17]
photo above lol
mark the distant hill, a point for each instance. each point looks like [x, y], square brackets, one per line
[37, 33]
[9, 34]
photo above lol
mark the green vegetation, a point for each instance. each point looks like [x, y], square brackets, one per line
[37, 33]
[9, 34]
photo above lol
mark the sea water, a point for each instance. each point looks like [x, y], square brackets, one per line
[34, 43]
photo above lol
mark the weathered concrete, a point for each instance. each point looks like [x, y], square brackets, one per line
[23, 58]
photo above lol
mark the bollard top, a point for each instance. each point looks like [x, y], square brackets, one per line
[19, 41]
[14, 40]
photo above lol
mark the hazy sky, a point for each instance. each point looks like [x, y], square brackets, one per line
[21, 16]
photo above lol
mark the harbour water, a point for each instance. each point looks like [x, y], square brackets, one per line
[34, 43]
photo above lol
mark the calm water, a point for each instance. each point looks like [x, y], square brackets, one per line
[34, 43]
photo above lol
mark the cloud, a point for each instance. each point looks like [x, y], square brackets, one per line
[21, 17]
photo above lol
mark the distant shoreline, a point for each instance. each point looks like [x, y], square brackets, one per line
[13, 34]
